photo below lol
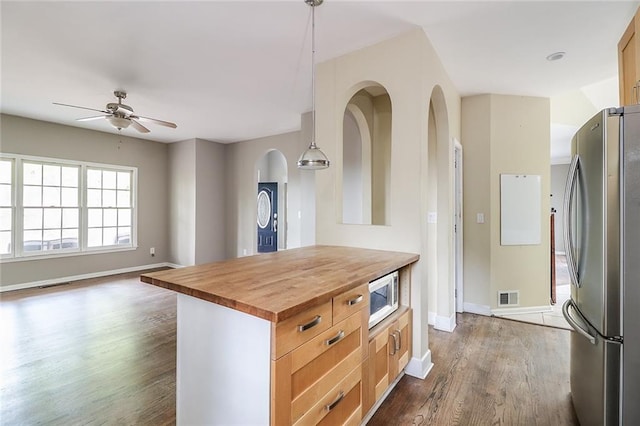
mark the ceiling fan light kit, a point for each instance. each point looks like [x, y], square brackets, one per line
[121, 116]
[119, 122]
[313, 158]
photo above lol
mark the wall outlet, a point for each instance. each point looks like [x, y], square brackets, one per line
[244, 252]
[480, 218]
[152, 251]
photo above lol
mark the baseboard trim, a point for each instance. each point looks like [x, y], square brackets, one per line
[61, 280]
[419, 367]
[431, 318]
[521, 310]
[474, 308]
[379, 402]
[445, 323]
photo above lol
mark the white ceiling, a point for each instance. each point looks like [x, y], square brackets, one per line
[236, 70]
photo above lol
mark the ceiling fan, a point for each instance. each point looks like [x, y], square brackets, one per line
[121, 116]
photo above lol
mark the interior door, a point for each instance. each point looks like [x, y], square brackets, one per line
[267, 217]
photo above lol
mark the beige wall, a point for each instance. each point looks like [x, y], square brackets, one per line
[32, 137]
[503, 134]
[476, 143]
[409, 69]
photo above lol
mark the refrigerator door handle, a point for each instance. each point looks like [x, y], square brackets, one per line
[573, 323]
[568, 212]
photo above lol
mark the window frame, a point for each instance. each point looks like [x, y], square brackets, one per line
[19, 254]
[12, 206]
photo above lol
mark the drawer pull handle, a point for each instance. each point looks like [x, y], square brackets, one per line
[331, 406]
[395, 344]
[399, 340]
[310, 324]
[335, 339]
[355, 300]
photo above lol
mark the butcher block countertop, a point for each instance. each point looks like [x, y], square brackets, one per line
[276, 286]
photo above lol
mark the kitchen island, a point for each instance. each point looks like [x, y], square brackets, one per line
[276, 338]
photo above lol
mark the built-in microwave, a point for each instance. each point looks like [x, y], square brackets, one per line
[383, 297]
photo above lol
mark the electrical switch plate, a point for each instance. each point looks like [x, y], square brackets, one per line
[432, 217]
[480, 218]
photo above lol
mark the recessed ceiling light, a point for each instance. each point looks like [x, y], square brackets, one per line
[555, 56]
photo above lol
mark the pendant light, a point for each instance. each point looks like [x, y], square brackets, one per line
[313, 158]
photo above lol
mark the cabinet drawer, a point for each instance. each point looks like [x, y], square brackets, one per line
[319, 364]
[293, 332]
[349, 302]
[342, 404]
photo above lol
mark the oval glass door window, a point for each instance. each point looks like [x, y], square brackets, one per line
[264, 209]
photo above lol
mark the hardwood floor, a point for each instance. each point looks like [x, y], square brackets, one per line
[100, 351]
[103, 351]
[490, 371]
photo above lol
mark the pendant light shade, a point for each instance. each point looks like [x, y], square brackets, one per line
[313, 158]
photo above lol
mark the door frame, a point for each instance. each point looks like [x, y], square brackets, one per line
[458, 263]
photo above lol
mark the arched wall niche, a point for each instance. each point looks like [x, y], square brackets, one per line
[366, 156]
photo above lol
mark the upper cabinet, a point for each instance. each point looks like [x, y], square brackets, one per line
[629, 63]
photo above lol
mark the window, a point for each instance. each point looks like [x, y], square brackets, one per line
[6, 206]
[50, 207]
[54, 207]
[109, 207]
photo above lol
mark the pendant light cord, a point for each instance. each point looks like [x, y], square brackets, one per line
[313, 75]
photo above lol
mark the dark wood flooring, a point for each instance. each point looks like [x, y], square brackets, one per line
[103, 351]
[100, 351]
[489, 371]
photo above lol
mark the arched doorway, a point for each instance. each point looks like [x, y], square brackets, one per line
[440, 215]
[271, 202]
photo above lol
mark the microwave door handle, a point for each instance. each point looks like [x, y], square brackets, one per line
[569, 192]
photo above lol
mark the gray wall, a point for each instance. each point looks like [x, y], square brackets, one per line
[32, 137]
[242, 161]
[196, 202]
[558, 180]
[210, 194]
[182, 202]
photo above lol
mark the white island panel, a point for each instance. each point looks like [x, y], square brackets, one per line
[223, 365]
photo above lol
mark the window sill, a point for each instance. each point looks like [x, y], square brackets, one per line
[68, 254]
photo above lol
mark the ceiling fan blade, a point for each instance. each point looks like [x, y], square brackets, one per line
[80, 107]
[95, 117]
[155, 121]
[139, 127]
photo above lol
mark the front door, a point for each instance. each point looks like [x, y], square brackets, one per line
[267, 217]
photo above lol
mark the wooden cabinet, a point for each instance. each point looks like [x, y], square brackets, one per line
[400, 341]
[319, 381]
[629, 63]
[389, 351]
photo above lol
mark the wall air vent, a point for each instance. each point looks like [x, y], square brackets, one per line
[508, 298]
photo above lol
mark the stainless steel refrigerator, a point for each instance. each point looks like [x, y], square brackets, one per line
[602, 244]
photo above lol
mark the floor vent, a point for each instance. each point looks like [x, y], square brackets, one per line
[508, 298]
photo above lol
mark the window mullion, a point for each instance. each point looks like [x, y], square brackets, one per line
[84, 222]
[18, 219]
